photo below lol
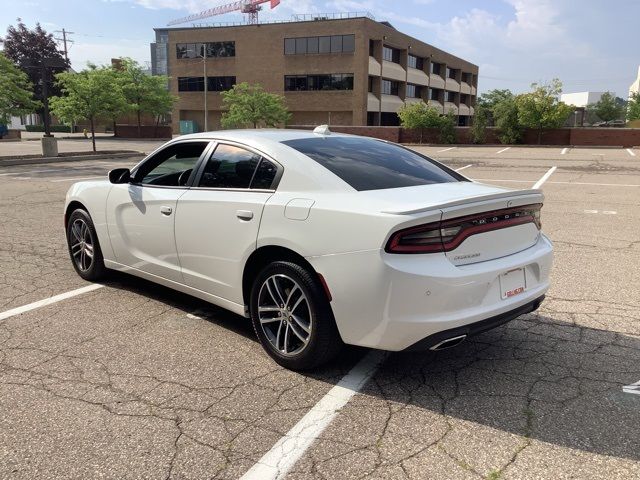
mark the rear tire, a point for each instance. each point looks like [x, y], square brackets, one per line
[292, 317]
[84, 247]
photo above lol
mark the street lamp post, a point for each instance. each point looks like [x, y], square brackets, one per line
[203, 56]
[206, 87]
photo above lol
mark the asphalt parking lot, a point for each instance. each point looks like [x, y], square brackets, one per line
[131, 380]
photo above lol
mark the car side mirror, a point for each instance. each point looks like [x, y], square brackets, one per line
[120, 175]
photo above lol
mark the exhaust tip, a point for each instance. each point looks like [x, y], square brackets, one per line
[449, 343]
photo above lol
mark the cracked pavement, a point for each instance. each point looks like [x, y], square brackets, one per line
[136, 381]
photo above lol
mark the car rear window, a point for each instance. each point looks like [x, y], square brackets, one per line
[368, 164]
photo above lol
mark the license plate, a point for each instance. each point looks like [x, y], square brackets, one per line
[512, 283]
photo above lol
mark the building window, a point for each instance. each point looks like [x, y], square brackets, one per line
[450, 97]
[371, 84]
[389, 87]
[289, 46]
[191, 84]
[390, 54]
[214, 84]
[434, 94]
[220, 84]
[301, 83]
[312, 45]
[415, 62]
[452, 73]
[301, 46]
[414, 91]
[214, 49]
[372, 48]
[466, 77]
[464, 99]
[436, 68]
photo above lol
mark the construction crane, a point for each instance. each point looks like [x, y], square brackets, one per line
[250, 7]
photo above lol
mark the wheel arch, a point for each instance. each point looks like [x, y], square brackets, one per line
[73, 205]
[264, 255]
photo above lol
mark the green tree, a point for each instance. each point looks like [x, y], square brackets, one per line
[448, 128]
[144, 93]
[633, 107]
[27, 49]
[542, 108]
[490, 99]
[16, 95]
[419, 116]
[480, 122]
[250, 106]
[607, 108]
[91, 94]
[507, 122]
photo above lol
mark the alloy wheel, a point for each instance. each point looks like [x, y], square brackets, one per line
[285, 314]
[81, 242]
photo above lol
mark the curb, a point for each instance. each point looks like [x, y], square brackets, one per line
[76, 158]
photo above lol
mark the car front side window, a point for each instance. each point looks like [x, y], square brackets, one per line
[172, 166]
[229, 167]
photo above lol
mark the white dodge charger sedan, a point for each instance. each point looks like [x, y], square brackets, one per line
[321, 239]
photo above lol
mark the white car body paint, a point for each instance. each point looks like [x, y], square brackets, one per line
[382, 300]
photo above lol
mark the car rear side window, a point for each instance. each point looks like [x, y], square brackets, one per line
[265, 175]
[368, 164]
[230, 167]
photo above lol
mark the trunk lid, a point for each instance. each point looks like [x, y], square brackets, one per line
[495, 224]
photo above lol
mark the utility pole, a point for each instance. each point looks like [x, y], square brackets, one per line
[64, 42]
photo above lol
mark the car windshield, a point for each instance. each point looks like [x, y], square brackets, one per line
[368, 164]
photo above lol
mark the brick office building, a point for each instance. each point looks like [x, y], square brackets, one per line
[341, 71]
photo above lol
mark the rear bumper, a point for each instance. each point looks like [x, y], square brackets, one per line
[472, 329]
[392, 302]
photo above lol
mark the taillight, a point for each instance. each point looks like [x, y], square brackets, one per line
[449, 234]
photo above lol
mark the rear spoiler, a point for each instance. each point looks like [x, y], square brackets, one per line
[530, 195]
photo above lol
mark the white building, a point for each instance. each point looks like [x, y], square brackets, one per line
[581, 99]
[635, 86]
[20, 123]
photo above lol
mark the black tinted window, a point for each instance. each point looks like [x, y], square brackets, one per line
[265, 175]
[368, 164]
[229, 167]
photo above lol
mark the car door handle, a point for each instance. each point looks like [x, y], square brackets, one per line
[166, 210]
[244, 214]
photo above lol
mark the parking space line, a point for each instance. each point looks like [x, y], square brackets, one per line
[446, 149]
[49, 301]
[544, 178]
[287, 451]
[633, 388]
[462, 168]
[503, 150]
[631, 152]
[564, 151]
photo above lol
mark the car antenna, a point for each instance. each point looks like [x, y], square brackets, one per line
[322, 130]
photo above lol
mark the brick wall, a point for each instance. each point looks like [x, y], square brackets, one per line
[12, 135]
[626, 137]
[146, 131]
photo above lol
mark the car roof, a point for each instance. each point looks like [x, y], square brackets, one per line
[302, 173]
[268, 134]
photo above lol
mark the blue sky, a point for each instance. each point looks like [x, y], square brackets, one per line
[588, 44]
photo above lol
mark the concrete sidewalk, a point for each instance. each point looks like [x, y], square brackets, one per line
[28, 147]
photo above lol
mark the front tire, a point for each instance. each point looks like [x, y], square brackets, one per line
[84, 248]
[292, 317]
